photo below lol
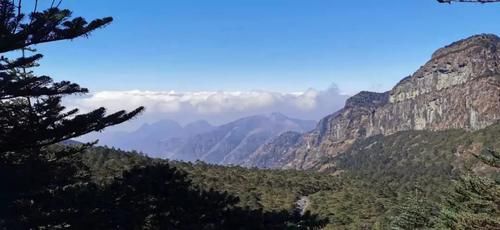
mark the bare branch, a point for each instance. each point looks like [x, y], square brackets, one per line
[36, 6]
[468, 1]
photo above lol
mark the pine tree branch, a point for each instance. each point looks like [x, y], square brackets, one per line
[49, 26]
[492, 158]
[24, 136]
[27, 123]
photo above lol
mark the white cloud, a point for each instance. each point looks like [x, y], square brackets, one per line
[214, 106]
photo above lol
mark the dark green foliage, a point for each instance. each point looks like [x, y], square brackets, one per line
[161, 197]
[374, 188]
[490, 158]
[53, 24]
[402, 161]
[205, 198]
[474, 202]
[271, 190]
[31, 114]
[414, 213]
[267, 189]
[378, 174]
[106, 164]
[43, 188]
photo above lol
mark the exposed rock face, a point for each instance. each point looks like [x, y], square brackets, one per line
[459, 88]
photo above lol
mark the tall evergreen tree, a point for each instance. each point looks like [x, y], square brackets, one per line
[41, 188]
[31, 114]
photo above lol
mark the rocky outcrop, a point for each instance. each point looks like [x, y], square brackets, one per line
[459, 88]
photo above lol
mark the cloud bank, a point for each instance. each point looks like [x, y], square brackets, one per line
[216, 107]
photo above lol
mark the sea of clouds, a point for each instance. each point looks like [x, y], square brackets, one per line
[216, 107]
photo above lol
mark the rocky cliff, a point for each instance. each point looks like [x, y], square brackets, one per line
[459, 88]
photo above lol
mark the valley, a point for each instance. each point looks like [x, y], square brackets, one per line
[361, 165]
[458, 89]
[241, 116]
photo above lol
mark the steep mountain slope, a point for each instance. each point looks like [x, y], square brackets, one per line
[411, 154]
[459, 88]
[234, 142]
[281, 144]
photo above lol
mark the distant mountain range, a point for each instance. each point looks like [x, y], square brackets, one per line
[149, 138]
[234, 142]
[230, 143]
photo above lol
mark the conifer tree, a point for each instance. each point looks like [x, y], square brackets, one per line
[42, 188]
[158, 196]
[31, 114]
[414, 213]
[475, 201]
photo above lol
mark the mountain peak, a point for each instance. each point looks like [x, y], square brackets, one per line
[459, 63]
[278, 116]
[487, 41]
[198, 123]
[457, 89]
[366, 99]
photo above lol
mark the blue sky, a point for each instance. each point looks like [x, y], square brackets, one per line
[277, 45]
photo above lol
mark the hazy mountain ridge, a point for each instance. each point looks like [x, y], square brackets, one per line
[234, 142]
[459, 88]
[282, 143]
[154, 139]
[230, 143]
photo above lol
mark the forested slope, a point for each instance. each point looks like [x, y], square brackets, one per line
[365, 187]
